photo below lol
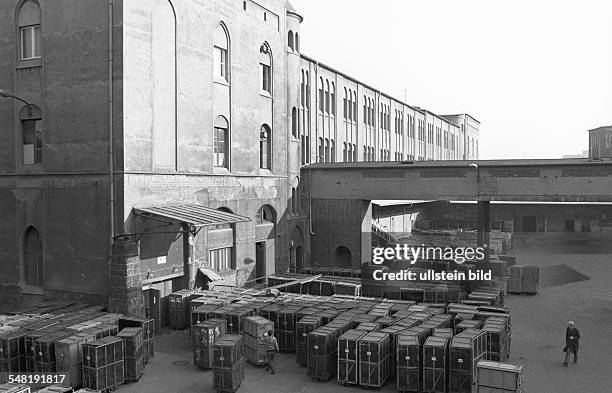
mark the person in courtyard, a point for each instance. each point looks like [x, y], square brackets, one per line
[572, 338]
[271, 344]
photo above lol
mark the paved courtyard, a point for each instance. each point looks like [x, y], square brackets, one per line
[538, 338]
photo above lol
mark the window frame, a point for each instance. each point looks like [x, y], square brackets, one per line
[225, 132]
[33, 29]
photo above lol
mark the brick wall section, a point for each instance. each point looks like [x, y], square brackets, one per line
[125, 285]
[341, 223]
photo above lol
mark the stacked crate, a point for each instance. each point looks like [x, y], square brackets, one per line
[467, 324]
[133, 356]
[255, 328]
[14, 388]
[498, 343]
[408, 360]
[523, 279]
[148, 333]
[435, 364]
[374, 359]
[103, 366]
[12, 348]
[228, 363]
[44, 351]
[393, 331]
[348, 357]
[304, 326]
[69, 356]
[322, 353]
[285, 328]
[204, 312]
[203, 336]
[466, 350]
[55, 389]
[494, 377]
[179, 309]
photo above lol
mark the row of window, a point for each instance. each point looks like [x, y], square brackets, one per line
[221, 144]
[293, 41]
[327, 97]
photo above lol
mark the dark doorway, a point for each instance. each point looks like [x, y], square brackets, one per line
[343, 257]
[569, 225]
[528, 224]
[299, 259]
[152, 299]
[260, 262]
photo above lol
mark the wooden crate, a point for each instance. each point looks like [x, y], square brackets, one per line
[203, 357]
[348, 357]
[105, 377]
[435, 364]
[369, 326]
[255, 350]
[408, 359]
[257, 326]
[467, 324]
[228, 350]
[204, 334]
[304, 326]
[466, 350]
[322, 353]
[179, 314]
[14, 388]
[496, 330]
[101, 352]
[132, 352]
[228, 379]
[56, 389]
[496, 376]
[374, 362]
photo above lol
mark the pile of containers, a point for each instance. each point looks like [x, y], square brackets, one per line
[228, 363]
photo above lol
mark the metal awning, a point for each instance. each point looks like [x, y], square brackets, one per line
[212, 275]
[190, 213]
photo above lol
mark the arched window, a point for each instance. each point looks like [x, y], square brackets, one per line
[297, 42]
[221, 142]
[321, 150]
[344, 102]
[327, 96]
[29, 31]
[265, 147]
[33, 257]
[354, 152]
[326, 159]
[302, 90]
[31, 134]
[265, 63]
[321, 96]
[333, 151]
[294, 122]
[354, 107]
[333, 98]
[266, 213]
[290, 40]
[344, 151]
[221, 55]
[350, 104]
[343, 257]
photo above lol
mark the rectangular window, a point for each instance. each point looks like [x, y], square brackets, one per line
[266, 78]
[32, 141]
[220, 146]
[220, 63]
[30, 42]
[221, 259]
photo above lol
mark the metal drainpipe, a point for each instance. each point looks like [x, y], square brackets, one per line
[110, 122]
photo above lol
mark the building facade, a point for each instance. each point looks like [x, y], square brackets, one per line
[600, 142]
[130, 110]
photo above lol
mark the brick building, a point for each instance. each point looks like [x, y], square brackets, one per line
[151, 140]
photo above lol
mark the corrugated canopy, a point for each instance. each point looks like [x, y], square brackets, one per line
[191, 213]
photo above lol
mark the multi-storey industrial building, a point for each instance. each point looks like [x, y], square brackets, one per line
[144, 140]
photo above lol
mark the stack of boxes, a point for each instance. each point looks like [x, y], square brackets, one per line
[304, 326]
[255, 328]
[103, 366]
[133, 357]
[348, 357]
[203, 336]
[435, 361]
[148, 333]
[466, 350]
[228, 363]
[374, 359]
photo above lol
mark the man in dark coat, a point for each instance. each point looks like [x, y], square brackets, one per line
[572, 338]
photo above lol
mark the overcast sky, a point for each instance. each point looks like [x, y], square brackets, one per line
[536, 73]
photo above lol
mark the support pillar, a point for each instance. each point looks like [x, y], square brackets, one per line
[190, 267]
[125, 287]
[484, 226]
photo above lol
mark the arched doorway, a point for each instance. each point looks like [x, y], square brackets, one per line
[33, 258]
[342, 257]
[265, 243]
[296, 250]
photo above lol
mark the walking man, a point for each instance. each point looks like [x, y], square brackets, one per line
[572, 337]
[271, 349]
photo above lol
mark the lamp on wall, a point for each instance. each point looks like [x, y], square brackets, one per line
[6, 94]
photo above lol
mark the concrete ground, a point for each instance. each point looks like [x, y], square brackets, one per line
[538, 327]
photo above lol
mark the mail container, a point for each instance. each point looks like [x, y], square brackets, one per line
[348, 358]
